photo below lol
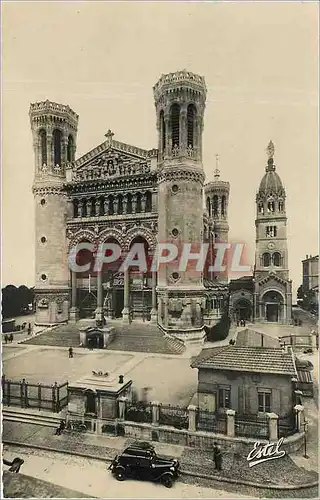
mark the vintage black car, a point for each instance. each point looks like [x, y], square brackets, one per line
[140, 461]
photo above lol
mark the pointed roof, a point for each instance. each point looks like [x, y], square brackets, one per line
[271, 182]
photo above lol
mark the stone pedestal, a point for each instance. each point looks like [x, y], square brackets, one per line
[155, 412]
[192, 418]
[230, 423]
[74, 315]
[273, 426]
[299, 409]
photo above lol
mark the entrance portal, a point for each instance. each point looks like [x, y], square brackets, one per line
[243, 310]
[272, 312]
[118, 302]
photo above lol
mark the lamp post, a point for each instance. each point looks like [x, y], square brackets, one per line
[305, 428]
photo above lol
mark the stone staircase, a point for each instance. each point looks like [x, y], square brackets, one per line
[143, 337]
[136, 337]
[61, 336]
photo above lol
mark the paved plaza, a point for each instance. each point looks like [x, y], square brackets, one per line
[169, 377]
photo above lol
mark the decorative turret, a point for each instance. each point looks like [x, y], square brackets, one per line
[54, 129]
[180, 102]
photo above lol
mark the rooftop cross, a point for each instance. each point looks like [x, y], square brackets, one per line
[109, 136]
[217, 171]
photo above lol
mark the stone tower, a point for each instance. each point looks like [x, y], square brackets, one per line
[180, 103]
[273, 298]
[54, 130]
[217, 201]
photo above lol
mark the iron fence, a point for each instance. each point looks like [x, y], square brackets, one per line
[175, 416]
[25, 395]
[139, 412]
[252, 426]
[211, 422]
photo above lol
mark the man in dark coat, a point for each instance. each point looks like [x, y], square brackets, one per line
[70, 352]
[217, 456]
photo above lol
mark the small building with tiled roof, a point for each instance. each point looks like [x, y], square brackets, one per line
[249, 380]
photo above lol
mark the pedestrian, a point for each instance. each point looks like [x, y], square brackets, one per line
[237, 322]
[217, 456]
[6, 339]
[244, 322]
[70, 352]
[61, 428]
[29, 329]
[11, 337]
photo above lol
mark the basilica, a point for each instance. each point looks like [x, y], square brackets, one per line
[124, 194]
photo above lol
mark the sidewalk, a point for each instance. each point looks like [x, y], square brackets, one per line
[282, 473]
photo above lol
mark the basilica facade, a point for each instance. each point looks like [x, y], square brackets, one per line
[124, 194]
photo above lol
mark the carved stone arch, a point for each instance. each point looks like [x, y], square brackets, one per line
[112, 233]
[82, 235]
[273, 290]
[144, 233]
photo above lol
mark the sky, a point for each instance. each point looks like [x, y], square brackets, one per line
[260, 63]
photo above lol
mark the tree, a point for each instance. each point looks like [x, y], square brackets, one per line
[15, 301]
[219, 331]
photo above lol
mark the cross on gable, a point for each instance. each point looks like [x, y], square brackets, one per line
[109, 136]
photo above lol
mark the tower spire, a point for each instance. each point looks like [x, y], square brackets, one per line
[270, 153]
[217, 171]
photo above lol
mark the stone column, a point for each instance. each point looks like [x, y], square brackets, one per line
[74, 311]
[273, 426]
[126, 293]
[122, 406]
[125, 203]
[166, 312]
[143, 202]
[230, 423]
[134, 203]
[105, 206]
[89, 208]
[183, 129]
[50, 156]
[299, 411]
[192, 418]
[154, 311]
[97, 207]
[99, 310]
[155, 412]
[80, 208]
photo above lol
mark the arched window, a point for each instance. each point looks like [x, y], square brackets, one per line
[163, 131]
[215, 205]
[276, 258]
[271, 206]
[266, 259]
[209, 206]
[191, 114]
[43, 146]
[111, 205]
[70, 149]
[148, 201]
[175, 125]
[129, 203]
[57, 137]
[120, 204]
[84, 207]
[75, 208]
[223, 205]
[138, 206]
[260, 207]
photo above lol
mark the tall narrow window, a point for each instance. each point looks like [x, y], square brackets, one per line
[191, 113]
[70, 149]
[266, 259]
[276, 257]
[209, 206]
[175, 125]
[224, 395]
[163, 131]
[129, 203]
[148, 201]
[215, 205]
[264, 400]
[223, 205]
[57, 137]
[120, 204]
[139, 205]
[43, 146]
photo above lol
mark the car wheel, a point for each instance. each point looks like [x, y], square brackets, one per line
[167, 481]
[120, 475]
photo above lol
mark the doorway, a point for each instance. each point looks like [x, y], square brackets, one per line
[118, 302]
[90, 402]
[272, 312]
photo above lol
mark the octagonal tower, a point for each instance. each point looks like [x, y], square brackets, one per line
[180, 102]
[54, 131]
